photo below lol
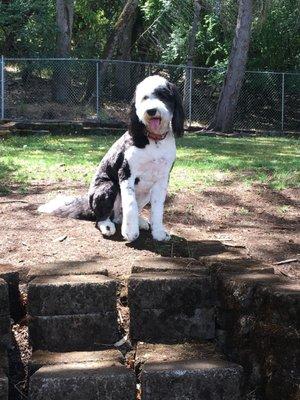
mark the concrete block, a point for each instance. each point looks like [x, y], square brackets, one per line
[165, 326]
[4, 300]
[170, 291]
[73, 294]
[279, 303]
[3, 386]
[170, 307]
[83, 381]
[73, 332]
[68, 268]
[187, 372]
[42, 358]
[236, 291]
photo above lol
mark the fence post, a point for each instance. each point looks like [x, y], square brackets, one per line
[190, 96]
[2, 88]
[97, 89]
[282, 101]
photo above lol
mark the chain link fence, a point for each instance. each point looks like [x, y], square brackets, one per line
[101, 91]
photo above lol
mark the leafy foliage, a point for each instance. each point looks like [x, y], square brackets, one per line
[161, 31]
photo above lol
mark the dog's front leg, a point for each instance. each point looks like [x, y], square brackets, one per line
[130, 224]
[158, 196]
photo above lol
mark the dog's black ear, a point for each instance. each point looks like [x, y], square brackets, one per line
[136, 128]
[178, 115]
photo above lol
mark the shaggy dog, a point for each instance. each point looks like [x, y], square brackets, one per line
[135, 170]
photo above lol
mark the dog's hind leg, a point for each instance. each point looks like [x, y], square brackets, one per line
[118, 210]
[102, 200]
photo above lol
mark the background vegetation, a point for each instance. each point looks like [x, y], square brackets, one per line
[160, 31]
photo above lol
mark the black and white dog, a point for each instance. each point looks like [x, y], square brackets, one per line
[135, 171]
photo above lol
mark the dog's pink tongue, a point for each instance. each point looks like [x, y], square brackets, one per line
[154, 124]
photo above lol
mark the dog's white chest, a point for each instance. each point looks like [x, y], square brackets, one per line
[152, 164]
[151, 172]
[156, 167]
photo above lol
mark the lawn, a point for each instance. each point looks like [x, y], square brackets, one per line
[201, 161]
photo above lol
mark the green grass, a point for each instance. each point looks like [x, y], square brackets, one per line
[201, 161]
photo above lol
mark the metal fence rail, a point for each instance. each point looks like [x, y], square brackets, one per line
[67, 89]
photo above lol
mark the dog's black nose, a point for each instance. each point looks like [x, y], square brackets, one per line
[151, 112]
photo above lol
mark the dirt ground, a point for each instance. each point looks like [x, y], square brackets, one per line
[230, 223]
[254, 222]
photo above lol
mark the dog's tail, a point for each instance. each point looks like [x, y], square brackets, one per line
[69, 206]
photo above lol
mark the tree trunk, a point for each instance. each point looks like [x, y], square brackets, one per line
[124, 53]
[61, 75]
[121, 34]
[191, 54]
[118, 43]
[223, 118]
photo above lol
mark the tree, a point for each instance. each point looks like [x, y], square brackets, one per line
[61, 76]
[119, 38]
[223, 118]
[121, 43]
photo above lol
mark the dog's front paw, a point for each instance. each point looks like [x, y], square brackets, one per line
[107, 227]
[130, 232]
[161, 235]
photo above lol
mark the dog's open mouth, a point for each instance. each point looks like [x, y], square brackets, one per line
[154, 124]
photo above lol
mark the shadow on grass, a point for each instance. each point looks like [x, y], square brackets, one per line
[8, 178]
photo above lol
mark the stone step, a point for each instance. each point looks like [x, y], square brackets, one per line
[74, 332]
[67, 268]
[186, 371]
[171, 306]
[42, 358]
[73, 294]
[72, 312]
[81, 376]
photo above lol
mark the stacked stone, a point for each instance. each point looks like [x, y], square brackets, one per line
[258, 325]
[71, 317]
[172, 305]
[89, 375]
[69, 313]
[172, 309]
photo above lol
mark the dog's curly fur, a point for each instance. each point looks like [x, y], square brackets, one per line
[135, 170]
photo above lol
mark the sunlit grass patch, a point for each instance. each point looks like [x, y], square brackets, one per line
[201, 161]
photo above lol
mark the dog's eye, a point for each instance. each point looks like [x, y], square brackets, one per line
[145, 97]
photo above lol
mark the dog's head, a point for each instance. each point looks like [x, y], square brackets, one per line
[156, 107]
